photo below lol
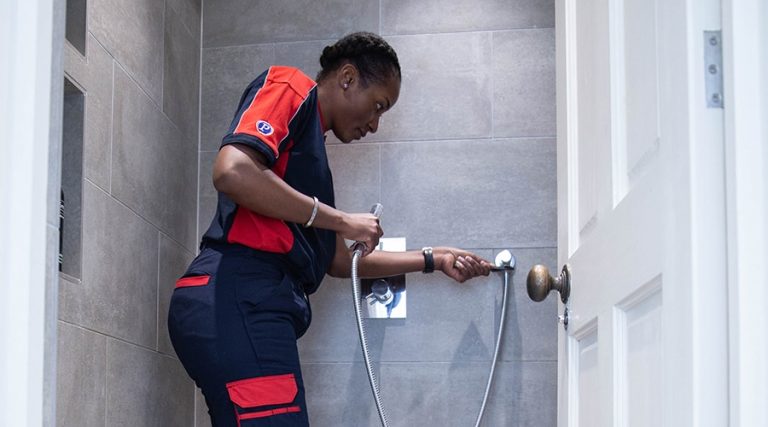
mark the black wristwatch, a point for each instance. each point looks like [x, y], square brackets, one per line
[429, 260]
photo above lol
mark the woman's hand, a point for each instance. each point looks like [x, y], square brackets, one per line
[460, 265]
[364, 228]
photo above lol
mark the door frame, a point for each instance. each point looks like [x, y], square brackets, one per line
[745, 24]
[31, 93]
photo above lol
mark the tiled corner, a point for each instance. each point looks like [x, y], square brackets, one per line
[145, 388]
[80, 377]
[356, 176]
[154, 165]
[118, 293]
[94, 75]
[174, 260]
[446, 88]
[436, 16]
[239, 22]
[475, 194]
[132, 31]
[226, 74]
[181, 86]
[208, 195]
[524, 83]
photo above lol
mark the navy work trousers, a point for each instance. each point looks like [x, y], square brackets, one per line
[234, 320]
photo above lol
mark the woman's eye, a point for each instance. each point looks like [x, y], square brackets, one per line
[379, 106]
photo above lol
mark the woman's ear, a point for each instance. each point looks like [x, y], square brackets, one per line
[346, 76]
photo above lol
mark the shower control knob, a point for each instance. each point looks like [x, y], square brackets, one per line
[540, 283]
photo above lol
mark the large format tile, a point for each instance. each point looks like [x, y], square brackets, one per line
[80, 377]
[439, 16]
[356, 176]
[208, 197]
[190, 13]
[174, 260]
[446, 321]
[338, 395]
[530, 332]
[476, 194]
[133, 32]
[524, 83]
[94, 76]
[446, 394]
[145, 388]
[154, 166]
[118, 293]
[302, 55]
[524, 394]
[226, 74]
[239, 22]
[446, 88]
[181, 86]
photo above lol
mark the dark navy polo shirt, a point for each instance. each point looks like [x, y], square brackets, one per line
[279, 117]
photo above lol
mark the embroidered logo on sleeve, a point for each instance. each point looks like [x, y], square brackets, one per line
[264, 128]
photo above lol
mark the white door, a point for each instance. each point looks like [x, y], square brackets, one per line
[641, 216]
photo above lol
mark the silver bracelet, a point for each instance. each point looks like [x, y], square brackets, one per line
[314, 213]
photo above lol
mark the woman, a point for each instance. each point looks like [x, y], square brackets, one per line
[237, 312]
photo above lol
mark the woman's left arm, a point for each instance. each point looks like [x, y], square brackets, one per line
[457, 264]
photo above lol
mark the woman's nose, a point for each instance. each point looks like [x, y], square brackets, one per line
[373, 125]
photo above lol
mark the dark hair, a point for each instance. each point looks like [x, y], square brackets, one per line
[373, 57]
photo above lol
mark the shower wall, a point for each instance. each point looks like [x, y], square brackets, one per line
[140, 74]
[466, 158]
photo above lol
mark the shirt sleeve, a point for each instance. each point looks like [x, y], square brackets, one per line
[266, 111]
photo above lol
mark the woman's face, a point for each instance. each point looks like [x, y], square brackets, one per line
[359, 108]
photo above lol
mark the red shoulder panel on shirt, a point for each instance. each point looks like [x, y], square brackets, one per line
[275, 104]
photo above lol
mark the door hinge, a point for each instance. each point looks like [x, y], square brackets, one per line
[713, 68]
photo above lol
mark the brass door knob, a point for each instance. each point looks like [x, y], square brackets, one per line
[540, 283]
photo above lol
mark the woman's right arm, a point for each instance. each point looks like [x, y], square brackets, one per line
[241, 173]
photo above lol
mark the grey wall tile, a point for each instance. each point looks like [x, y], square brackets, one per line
[174, 260]
[530, 332]
[133, 32]
[471, 194]
[118, 293]
[438, 16]
[302, 55]
[145, 388]
[446, 321]
[524, 83]
[523, 394]
[154, 171]
[238, 22]
[201, 410]
[356, 176]
[338, 394]
[94, 75]
[181, 87]
[226, 74]
[446, 88]
[208, 195]
[189, 11]
[81, 377]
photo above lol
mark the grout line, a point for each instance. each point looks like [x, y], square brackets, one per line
[493, 93]
[157, 293]
[111, 126]
[199, 123]
[121, 203]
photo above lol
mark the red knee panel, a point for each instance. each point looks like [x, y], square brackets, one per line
[263, 396]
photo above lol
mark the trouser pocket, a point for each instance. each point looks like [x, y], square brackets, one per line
[258, 398]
